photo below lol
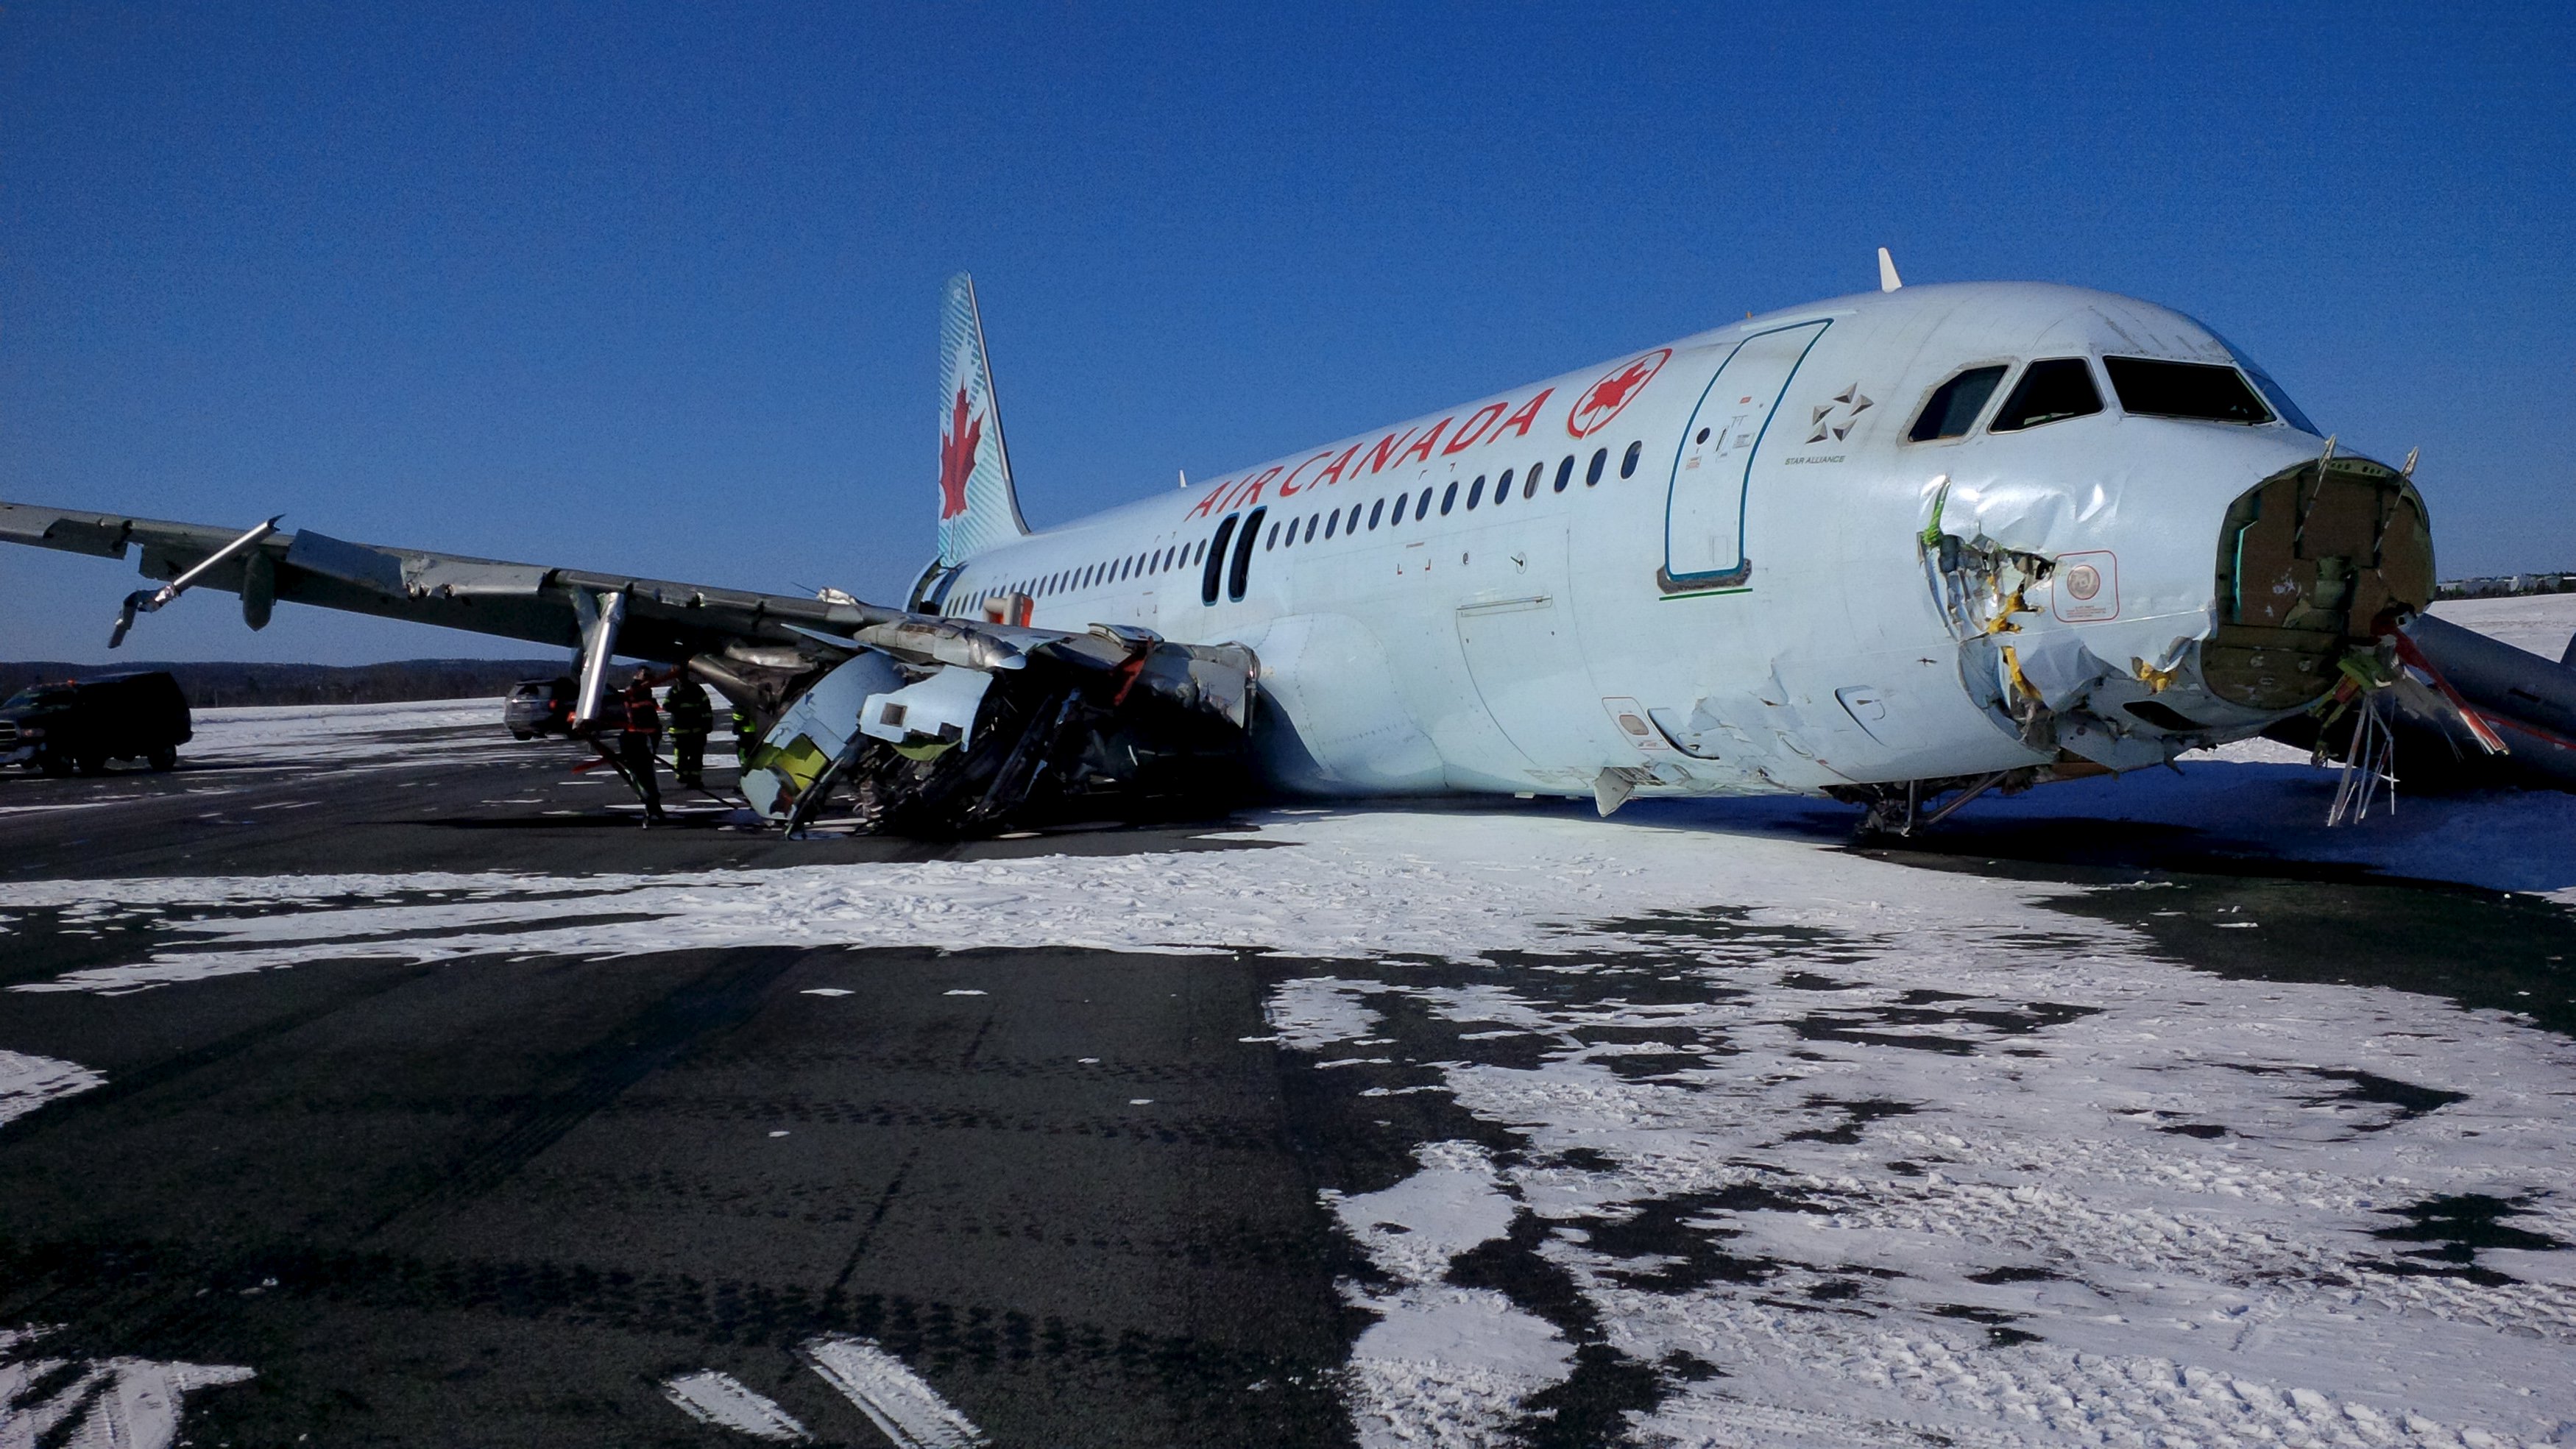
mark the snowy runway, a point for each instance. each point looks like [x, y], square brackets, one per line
[1733, 1137]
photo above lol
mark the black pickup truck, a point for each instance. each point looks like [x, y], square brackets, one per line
[82, 724]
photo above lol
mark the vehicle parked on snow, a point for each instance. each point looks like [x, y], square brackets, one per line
[84, 723]
[539, 707]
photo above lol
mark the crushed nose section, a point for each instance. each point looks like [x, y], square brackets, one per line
[2312, 561]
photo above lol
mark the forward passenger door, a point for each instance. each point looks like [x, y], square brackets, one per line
[1704, 512]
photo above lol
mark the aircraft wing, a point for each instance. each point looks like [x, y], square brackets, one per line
[664, 621]
[1105, 712]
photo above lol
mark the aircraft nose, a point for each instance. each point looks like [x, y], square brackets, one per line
[2311, 561]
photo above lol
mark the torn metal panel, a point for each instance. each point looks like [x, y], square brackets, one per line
[931, 714]
[812, 732]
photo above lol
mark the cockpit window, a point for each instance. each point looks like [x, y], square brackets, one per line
[2208, 391]
[1955, 405]
[2051, 390]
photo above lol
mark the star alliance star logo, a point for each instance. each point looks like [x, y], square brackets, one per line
[1849, 404]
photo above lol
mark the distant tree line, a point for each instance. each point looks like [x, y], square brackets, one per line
[211, 685]
[2502, 586]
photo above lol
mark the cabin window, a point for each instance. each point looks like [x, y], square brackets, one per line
[1476, 492]
[1564, 471]
[1212, 560]
[1375, 509]
[1271, 542]
[1236, 576]
[1449, 499]
[1352, 524]
[2206, 392]
[1953, 407]
[1530, 488]
[1332, 521]
[1502, 487]
[1422, 505]
[1592, 475]
[2050, 391]
[1703, 433]
[1628, 460]
[1312, 523]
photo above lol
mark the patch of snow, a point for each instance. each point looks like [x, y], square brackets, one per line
[106, 1403]
[1318, 1011]
[28, 1082]
[721, 1399]
[1443, 1364]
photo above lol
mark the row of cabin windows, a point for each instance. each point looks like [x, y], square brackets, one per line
[2054, 389]
[1210, 553]
[1152, 561]
[1370, 515]
[1352, 520]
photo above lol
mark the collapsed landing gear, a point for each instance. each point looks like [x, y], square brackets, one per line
[1901, 810]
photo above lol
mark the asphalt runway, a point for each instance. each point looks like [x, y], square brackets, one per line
[434, 1205]
[1084, 1196]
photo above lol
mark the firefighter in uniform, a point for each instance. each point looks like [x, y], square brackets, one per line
[635, 742]
[692, 718]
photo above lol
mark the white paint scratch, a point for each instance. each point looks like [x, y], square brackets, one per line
[721, 1399]
[905, 1409]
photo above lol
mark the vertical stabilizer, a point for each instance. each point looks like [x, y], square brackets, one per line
[977, 507]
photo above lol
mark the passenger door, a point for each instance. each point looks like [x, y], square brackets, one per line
[1704, 512]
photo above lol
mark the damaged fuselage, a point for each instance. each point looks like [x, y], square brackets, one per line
[1883, 547]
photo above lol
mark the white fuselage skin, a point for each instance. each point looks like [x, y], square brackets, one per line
[1626, 625]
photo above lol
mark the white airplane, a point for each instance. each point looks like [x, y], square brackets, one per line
[1896, 548]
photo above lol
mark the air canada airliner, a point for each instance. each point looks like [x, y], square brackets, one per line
[1890, 547]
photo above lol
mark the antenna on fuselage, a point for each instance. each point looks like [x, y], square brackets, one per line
[1888, 281]
[1185, 477]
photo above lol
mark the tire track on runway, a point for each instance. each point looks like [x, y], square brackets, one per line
[130, 1082]
[712, 1003]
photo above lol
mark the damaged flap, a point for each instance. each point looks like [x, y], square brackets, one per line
[373, 569]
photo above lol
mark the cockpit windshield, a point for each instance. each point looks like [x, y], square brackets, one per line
[2204, 391]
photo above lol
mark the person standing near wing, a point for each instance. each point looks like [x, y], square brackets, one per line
[635, 743]
[693, 717]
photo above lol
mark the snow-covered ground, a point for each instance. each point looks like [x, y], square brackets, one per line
[1844, 1150]
[2540, 623]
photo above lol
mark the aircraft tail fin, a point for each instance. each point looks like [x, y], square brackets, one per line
[977, 506]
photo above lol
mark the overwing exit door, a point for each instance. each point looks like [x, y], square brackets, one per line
[1704, 513]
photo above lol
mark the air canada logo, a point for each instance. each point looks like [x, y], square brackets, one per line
[1602, 401]
[957, 458]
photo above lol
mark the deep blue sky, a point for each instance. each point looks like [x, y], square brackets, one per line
[654, 287]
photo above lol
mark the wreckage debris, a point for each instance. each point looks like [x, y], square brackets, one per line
[1112, 722]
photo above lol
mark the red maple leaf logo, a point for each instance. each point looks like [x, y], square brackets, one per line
[1602, 401]
[957, 459]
